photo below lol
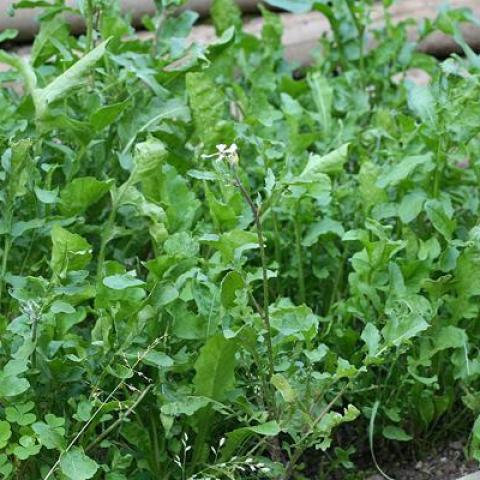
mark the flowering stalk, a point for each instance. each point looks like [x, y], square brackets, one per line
[230, 156]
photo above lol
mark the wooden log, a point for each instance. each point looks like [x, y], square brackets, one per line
[25, 20]
[303, 31]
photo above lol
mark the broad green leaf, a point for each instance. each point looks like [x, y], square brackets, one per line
[371, 337]
[411, 206]
[158, 110]
[332, 420]
[322, 94]
[450, 337]
[233, 243]
[70, 251]
[26, 448]
[19, 228]
[284, 387]
[122, 281]
[107, 115]
[51, 433]
[318, 354]
[396, 433]
[231, 283]
[237, 437]
[422, 103]
[324, 227]
[294, 6]
[448, 259]
[181, 244]
[215, 368]
[49, 197]
[208, 109]
[5, 433]
[317, 186]
[467, 281]
[439, 218]
[293, 320]
[6, 467]
[20, 414]
[163, 294]
[408, 317]
[81, 193]
[332, 162]
[187, 406]
[148, 157]
[370, 193]
[75, 465]
[402, 170]
[158, 359]
[19, 169]
[67, 81]
[10, 382]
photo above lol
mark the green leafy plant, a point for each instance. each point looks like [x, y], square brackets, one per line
[213, 266]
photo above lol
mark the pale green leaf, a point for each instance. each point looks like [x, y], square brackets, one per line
[122, 281]
[402, 169]
[77, 466]
[67, 81]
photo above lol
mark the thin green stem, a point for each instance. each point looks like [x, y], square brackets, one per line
[89, 25]
[439, 168]
[278, 251]
[299, 252]
[107, 230]
[360, 30]
[263, 257]
[6, 252]
[104, 239]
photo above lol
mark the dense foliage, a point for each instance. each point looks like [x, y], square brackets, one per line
[210, 263]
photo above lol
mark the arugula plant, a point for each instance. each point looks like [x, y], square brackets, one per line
[210, 264]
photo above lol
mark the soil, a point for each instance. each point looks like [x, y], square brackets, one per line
[446, 463]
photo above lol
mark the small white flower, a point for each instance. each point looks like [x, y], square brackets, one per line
[225, 153]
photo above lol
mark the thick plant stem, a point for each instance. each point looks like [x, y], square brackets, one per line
[300, 273]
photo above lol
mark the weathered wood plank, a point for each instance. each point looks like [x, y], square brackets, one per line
[303, 31]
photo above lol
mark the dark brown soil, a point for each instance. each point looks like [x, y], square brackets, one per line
[446, 463]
